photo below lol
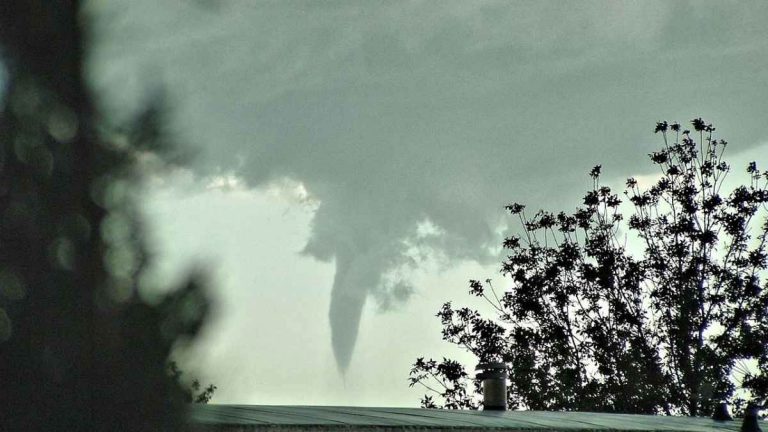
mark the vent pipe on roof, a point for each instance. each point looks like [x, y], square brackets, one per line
[494, 379]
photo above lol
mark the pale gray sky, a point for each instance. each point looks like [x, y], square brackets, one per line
[330, 135]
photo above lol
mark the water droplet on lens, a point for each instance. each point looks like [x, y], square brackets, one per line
[11, 285]
[62, 250]
[62, 125]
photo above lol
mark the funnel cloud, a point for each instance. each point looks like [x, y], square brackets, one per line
[396, 114]
[350, 289]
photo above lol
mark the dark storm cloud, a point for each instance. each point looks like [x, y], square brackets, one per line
[393, 113]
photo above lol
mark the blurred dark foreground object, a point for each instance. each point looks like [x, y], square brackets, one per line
[721, 412]
[79, 348]
[751, 415]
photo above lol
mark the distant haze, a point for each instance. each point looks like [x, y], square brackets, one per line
[411, 124]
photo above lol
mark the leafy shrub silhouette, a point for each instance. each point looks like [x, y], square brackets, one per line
[192, 391]
[586, 325]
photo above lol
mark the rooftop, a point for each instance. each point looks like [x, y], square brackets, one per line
[294, 418]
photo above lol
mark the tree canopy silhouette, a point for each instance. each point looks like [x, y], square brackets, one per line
[588, 325]
[80, 348]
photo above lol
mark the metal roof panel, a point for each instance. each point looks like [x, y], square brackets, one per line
[260, 417]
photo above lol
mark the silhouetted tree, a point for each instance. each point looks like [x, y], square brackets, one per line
[80, 350]
[193, 391]
[587, 325]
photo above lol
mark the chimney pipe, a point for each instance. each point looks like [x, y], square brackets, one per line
[494, 378]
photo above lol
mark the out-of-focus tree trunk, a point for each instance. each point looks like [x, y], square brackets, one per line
[79, 350]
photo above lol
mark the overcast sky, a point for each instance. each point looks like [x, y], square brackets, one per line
[353, 158]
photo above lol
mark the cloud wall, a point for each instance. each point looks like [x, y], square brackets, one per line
[396, 113]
